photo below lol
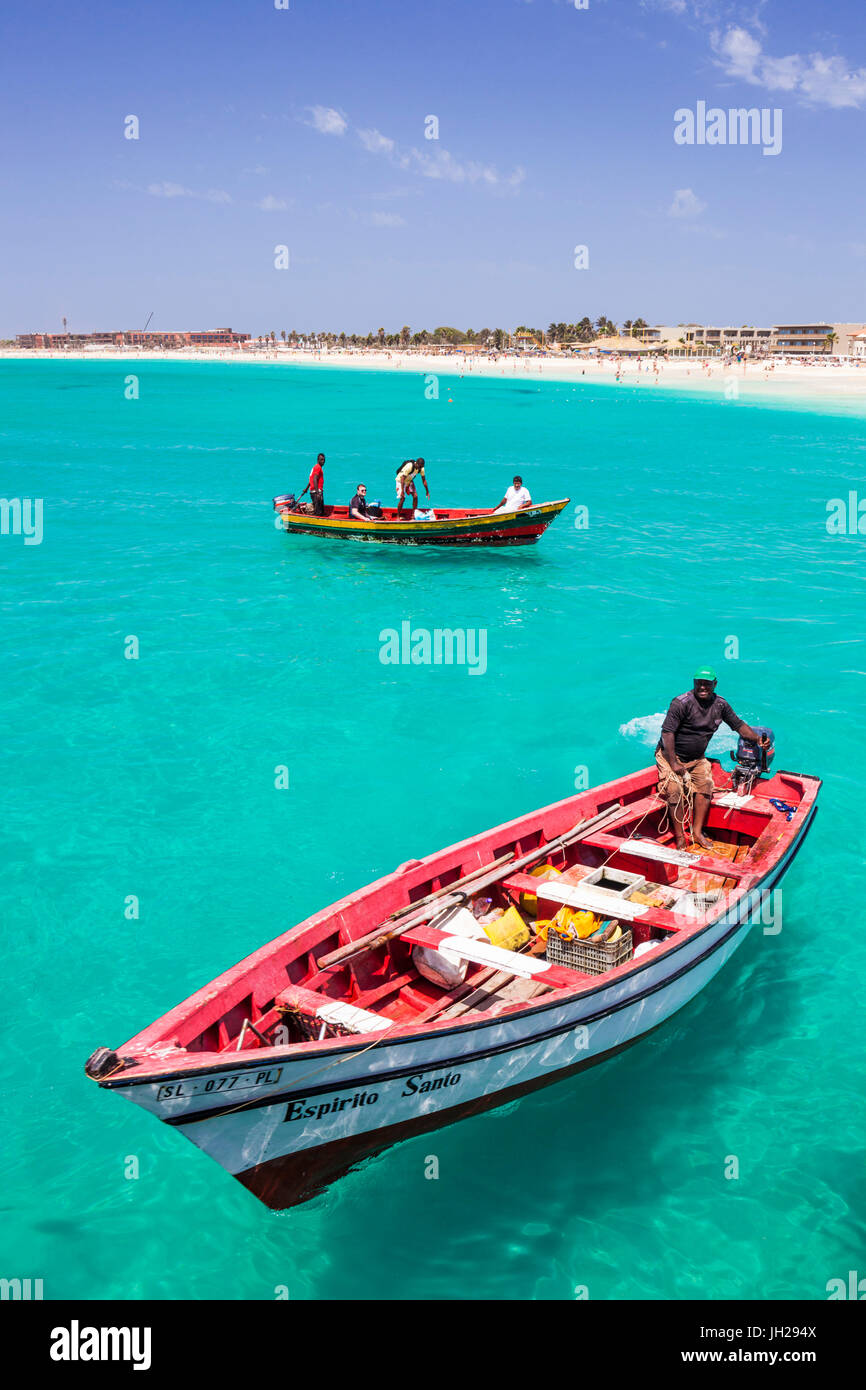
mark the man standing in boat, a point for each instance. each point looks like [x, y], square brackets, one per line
[689, 724]
[316, 486]
[406, 474]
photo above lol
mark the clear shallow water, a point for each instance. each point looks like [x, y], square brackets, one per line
[156, 778]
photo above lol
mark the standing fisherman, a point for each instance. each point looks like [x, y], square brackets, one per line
[316, 486]
[689, 724]
[407, 472]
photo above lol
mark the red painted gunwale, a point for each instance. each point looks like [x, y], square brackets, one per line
[209, 1021]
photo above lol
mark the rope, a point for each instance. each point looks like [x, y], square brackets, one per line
[685, 803]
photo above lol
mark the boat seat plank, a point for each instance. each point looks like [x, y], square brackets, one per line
[664, 854]
[523, 883]
[591, 899]
[525, 967]
[330, 1010]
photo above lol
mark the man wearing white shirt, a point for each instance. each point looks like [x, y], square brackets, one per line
[516, 497]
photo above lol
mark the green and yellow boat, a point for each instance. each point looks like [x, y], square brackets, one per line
[453, 526]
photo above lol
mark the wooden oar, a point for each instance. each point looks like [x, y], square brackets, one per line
[411, 914]
[480, 879]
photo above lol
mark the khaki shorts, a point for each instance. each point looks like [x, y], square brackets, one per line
[671, 786]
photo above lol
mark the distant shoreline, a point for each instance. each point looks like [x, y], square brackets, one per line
[779, 379]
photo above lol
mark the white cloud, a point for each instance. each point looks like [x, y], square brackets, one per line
[386, 219]
[686, 204]
[327, 120]
[169, 190]
[439, 164]
[739, 53]
[431, 164]
[177, 190]
[376, 142]
[271, 204]
[815, 78]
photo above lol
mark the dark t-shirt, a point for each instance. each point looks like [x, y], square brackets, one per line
[693, 724]
[358, 504]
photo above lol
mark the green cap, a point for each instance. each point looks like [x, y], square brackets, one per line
[705, 673]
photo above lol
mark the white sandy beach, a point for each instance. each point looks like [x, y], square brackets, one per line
[782, 378]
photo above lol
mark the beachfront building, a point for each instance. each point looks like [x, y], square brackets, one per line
[803, 339]
[814, 339]
[858, 347]
[133, 337]
[782, 339]
[700, 338]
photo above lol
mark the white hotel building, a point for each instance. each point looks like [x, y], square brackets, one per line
[783, 339]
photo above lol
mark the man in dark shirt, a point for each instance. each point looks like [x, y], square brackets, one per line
[689, 724]
[358, 505]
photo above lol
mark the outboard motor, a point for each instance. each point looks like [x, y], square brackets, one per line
[751, 760]
[288, 500]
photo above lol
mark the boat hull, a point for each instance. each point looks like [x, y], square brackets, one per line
[455, 529]
[287, 1130]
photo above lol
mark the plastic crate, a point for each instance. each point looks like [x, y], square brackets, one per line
[592, 957]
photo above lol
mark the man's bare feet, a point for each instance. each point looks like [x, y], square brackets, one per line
[703, 842]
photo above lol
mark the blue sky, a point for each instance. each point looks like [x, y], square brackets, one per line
[306, 127]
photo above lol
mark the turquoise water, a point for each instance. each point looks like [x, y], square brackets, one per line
[155, 778]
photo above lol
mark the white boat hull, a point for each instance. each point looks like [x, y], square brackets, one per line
[284, 1127]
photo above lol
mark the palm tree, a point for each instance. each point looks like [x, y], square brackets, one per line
[405, 334]
[638, 326]
[381, 337]
[283, 334]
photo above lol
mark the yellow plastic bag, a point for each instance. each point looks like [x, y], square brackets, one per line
[542, 927]
[528, 901]
[510, 931]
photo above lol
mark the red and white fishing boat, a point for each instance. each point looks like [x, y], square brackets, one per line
[332, 1042]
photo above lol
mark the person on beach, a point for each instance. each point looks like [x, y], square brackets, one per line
[358, 505]
[516, 497]
[408, 471]
[689, 724]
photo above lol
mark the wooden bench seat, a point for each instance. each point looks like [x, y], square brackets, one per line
[297, 999]
[484, 953]
[666, 854]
